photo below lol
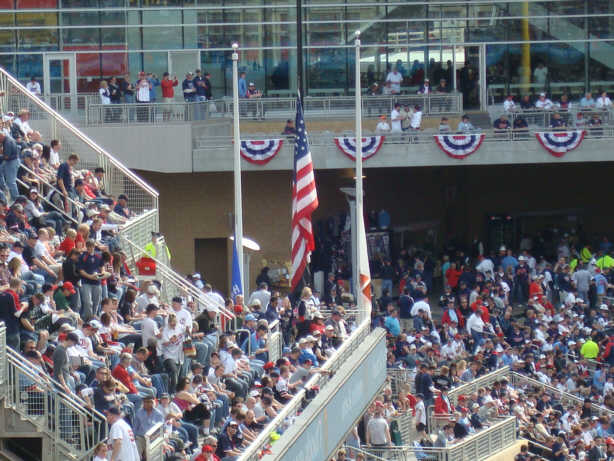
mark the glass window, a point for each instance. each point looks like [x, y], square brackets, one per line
[114, 64]
[7, 37]
[29, 65]
[37, 39]
[22, 4]
[326, 71]
[83, 36]
[162, 37]
[7, 62]
[218, 63]
[601, 66]
[325, 26]
[281, 72]
[113, 35]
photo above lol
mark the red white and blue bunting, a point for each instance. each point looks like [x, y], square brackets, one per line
[370, 146]
[260, 152]
[459, 146]
[560, 142]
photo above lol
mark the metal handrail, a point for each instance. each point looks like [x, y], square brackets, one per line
[49, 202]
[179, 282]
[474, 385]
[184, 111]
[317, 380]
[77, 133]
[154, 446]
[58, 413]
[518, 377]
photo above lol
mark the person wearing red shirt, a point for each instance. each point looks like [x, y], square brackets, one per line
[69, 241]
[168, 93]
[124, 373]
[442, 403]
[452, 276]
[448, 315]
[535, 288]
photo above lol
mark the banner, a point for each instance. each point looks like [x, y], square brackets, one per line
[237, 284]
[260, 152]
[560, 142]
[370, 146]
[459, 146]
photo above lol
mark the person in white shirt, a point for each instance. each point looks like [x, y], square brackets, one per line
[421, 305]
[509, 105]
[172, 348]
[416, 118]
[396, 119]
[34, 87]
[543, 102]
[475, 327]
[420, 410]
[262, 294]
[382, 126]
[149, 327]
[123, 442]
[395, 79]
[184, 318]
[103, 91]
[603, 102]
[22, 122]
[150, 296]
[486, 267]
[54, 153]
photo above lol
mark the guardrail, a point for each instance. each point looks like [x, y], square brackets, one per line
[118, 179]
[473, 386]
[154, 443]
[267, 108]
[475, 447]
[400, 378]
[543, 118]
[3, 361]
[318, 380]
[74, 428]
[173, 284]
[204, 146]
[519, 379]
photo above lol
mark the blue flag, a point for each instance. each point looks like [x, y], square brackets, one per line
[237, 285]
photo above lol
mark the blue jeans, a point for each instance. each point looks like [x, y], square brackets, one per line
[160, 382]
[9, 173]
[90, 300]
[478, 339]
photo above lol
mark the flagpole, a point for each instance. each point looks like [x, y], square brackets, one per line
[238, 210]
[359, 212]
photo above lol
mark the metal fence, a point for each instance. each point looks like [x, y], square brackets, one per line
[473, 386]
[286, 416]
[275, 342]
[476, 447]
[543, 118]
[118, 179]
[154, 443]
[172, 283]
[73, 427]
[266, 108]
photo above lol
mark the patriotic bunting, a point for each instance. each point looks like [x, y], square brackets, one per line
[560, 142]
[260, 152]
[459, 146]
[370, 146]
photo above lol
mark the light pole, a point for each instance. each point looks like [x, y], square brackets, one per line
[238, 230]
[358, 195]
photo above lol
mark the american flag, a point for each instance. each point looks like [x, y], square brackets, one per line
[304, 200]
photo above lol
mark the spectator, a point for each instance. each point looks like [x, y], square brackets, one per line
[393, 80]
[502, 123]
[416, 118]
[465, 125]
[382, 126]
[395, 119]
[525, 103]
[556, 122]
[587, 102]
[123, 443]
[189, 88]
[444, 125]
[543, 103]
[242, 85]
[603, 102]
[289, 129]
[425, 88]
[509, 105]
[144, 419]
[34, 87]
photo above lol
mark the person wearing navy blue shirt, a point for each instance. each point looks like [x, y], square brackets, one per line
[9, 315]
[121, 207]
[90, 269]
[65, 180]
[556, 122]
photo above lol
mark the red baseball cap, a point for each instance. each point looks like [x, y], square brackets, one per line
[70, 287]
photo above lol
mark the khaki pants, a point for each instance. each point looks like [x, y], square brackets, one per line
[140, 445]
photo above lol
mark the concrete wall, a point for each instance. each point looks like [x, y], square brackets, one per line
[168, 149]
[195, 206]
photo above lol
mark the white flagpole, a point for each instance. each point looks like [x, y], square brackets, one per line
[238, 210]
[359, 212]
